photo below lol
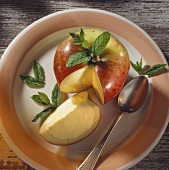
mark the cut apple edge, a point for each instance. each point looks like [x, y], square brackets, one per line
[78, 81]
[81, 80]
[97, 87]
[79, 108]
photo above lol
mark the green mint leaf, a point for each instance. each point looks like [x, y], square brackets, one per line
[38, 79]
[100, 43]
[56, 96]
[85, 44]
[41, 98]
[43, 113]
[31, 81]
[138, 66]
[81, 33]
[73, 35]
[79, 39]
[77, 58]
[27, 78]
[154, 69]
[38, 71]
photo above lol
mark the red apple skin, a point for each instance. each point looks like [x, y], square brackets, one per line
[112, 71]
[65, 49]
[112, 75]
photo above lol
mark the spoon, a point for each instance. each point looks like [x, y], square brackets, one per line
[130, 100]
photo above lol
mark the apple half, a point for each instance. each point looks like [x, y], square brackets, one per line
[107, 76]
[70, 125]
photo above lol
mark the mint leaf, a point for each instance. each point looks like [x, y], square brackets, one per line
[140, 64]
[137, 66]
[43, 113]
[151, 71]
[31, 81]
[85, 44]
[38, 72]
[100, 43]
[154, 69]
[56, 96]
[77, 58]
[27, 78]
[81, 33]
[90, 53]
[79, 39]
[38, 80]
[41, 98]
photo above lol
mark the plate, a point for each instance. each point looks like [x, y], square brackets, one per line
[136, 134]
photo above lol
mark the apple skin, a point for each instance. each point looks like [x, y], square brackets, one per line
[111, 71]
[65, 49]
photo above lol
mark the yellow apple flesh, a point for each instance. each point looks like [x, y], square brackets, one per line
[106, 76]
[72, 121]
[78, 81]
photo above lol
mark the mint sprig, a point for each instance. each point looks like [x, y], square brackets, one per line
[31, 81]
[150, 71]
[79, 39]
[43, 99]
[137, 66]
[38, 72]
[90, 54]
[44, 113]
[154, 69]
[100, 43]
[56, 96]
[38, 80]
[77, 58]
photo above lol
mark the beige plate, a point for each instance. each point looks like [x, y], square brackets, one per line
[132, 139]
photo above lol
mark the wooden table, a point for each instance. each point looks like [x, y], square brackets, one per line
[151, 15]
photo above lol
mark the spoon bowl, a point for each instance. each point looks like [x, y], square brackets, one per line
[130, 99]
[133, 95]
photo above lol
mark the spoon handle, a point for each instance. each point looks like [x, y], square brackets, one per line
[90, 161]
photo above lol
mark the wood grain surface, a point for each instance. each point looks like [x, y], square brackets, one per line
[151, 15]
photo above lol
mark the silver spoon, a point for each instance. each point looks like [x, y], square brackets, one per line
[130, 100]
